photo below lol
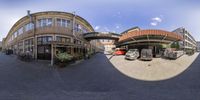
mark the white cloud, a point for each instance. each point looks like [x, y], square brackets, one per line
[154, 23]
[157, 19]
[97, 27]
[117, 27]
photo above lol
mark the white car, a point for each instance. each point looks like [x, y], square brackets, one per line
[132, 54]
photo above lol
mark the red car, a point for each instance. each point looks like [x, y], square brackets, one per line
[120, 51]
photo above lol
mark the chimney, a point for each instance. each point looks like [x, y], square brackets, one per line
[28, 12]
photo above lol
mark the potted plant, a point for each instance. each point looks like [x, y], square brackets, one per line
[64, 59]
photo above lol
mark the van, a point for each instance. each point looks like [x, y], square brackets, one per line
[146, 54]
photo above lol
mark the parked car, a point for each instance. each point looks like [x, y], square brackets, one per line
[120, 51]
[146, 54]
[132, 54]
[190, 52]
[170, 54]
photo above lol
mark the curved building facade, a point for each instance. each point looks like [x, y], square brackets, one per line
[44, 33]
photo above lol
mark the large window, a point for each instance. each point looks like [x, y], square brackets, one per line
[63, 22]
[44, 40]
[84, 30]
[29, 26]
[15, 34]
[45, 22]
[20, 31]
[20, 46]
[28, 45]
[78, 28]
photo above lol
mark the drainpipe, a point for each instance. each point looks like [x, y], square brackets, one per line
[34, 39]
[73, 28]
[73, 24]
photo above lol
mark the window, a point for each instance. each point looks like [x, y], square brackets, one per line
[63, 39]
[77, 27]
[15, 35]
[63, 22]
[20, 31]
[20, 46]
[28, 45]
[80, 28]
[39, 40]
[84, 30]
[68, 40]
[29, 26]
[12, 38]
[59, 22]
[45, 22]
[49, 22]
[49, 39]
[58, 38]
[44, 40]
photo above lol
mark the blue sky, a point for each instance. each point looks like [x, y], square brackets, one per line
[112, 15]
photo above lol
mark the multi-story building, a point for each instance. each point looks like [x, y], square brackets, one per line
[188, 41]
[43, 34]
[109, 43]
[198, 46]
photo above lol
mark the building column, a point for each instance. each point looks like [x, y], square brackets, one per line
[35, 48]
[23, 46]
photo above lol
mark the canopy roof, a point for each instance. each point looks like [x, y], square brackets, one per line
[160, 33]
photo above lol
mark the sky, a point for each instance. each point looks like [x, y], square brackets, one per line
[112, 15]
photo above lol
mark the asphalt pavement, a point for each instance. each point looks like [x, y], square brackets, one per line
[92, 79]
